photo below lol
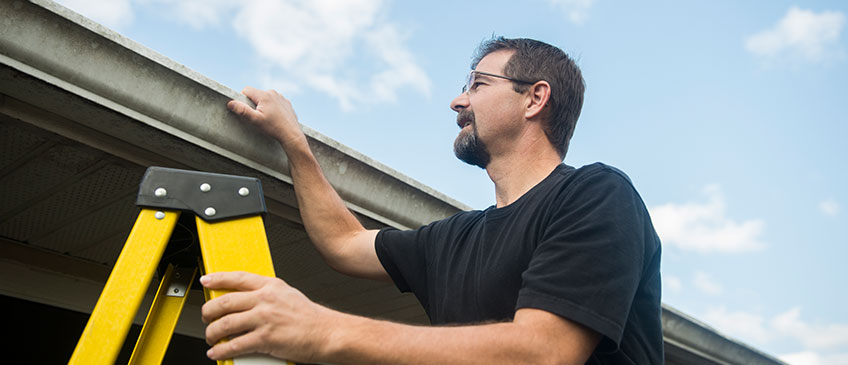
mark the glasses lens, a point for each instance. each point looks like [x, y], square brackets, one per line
[468, 82]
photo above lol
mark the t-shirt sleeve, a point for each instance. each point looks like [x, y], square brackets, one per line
[401, 254]
[588, 264]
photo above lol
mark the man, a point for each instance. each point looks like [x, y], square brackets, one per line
[564, 269]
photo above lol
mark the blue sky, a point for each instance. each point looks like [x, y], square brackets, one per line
[728, 116]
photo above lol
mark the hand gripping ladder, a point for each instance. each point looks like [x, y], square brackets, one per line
[231, 237]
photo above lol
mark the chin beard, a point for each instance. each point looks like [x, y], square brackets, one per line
[470, 149]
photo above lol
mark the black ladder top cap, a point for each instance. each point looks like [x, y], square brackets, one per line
[229, 196]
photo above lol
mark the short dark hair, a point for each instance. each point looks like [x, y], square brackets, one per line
[535, 61]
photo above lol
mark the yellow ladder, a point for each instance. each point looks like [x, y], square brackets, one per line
[231, 234]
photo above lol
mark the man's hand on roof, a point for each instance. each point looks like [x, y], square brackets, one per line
[274, 115]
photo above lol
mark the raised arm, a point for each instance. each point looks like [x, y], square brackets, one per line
[343, 242]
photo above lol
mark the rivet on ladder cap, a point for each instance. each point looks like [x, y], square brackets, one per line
[209, 211]
[160, 192]
[244, 192]
[205, 187]
[160, 215]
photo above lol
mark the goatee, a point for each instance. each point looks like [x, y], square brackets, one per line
[468, 147]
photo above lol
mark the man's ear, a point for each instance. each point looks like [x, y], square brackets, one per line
[537, 99]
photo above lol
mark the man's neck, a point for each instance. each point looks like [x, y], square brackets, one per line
[517, 173]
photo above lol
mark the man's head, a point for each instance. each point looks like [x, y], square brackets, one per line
[530, 62]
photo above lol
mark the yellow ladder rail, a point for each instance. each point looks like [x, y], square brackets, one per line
[231, 237]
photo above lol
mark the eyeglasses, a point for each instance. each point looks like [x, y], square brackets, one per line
[473, 75]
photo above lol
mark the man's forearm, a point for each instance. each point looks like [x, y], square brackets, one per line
[323, 211]
[363, 340]
[327, 220]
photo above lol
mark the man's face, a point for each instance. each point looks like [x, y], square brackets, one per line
[486, 112]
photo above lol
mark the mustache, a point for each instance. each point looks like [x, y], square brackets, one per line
[464, 115]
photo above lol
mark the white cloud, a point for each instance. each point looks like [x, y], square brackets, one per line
[814, 358]
[704, 227]
[113, 14]
[802, 358]
[314, 42]
[577, 11]
[801, 34]
[706, 284]
[815, 336]
[387, 43]
[672, 283]
[822, 343]
[196, 13]
[745, 326]
[302, 43]
[829, 207]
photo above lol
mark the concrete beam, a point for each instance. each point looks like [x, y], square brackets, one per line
[56, 60]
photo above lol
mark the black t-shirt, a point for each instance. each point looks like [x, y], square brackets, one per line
[579, 244]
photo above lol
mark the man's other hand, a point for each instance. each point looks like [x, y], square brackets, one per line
[263, 315]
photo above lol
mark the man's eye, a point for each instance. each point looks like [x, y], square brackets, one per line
[474, 85]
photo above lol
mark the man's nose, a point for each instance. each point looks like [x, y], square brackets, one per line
[460, 102]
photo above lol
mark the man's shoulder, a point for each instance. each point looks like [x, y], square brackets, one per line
[598, 173]
[597, 168]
